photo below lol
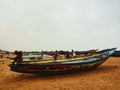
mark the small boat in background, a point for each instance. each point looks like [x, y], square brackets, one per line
[63, 66]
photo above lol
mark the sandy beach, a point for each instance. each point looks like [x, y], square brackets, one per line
[105, 77]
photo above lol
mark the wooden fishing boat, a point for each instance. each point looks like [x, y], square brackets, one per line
[62, 66]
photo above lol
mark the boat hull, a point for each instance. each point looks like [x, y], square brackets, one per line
[57, 67]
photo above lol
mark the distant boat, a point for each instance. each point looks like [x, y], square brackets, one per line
[63, 66]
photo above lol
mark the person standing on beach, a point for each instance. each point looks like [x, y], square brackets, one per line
[55, 55]
[18, 57]
[73, 54]
[42, 53]
[67, 55]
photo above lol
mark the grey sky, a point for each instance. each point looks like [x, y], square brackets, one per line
[59, 24]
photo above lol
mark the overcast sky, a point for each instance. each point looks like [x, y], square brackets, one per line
[59, 24]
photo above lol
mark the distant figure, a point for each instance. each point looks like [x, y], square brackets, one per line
[55, 55]
[18, 57]
[72, 54]
[42, 53]
[67, 55]
[16, 53]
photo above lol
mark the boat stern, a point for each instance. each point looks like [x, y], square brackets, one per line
[111, 51]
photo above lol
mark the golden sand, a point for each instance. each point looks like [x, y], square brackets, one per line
[105, 77]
